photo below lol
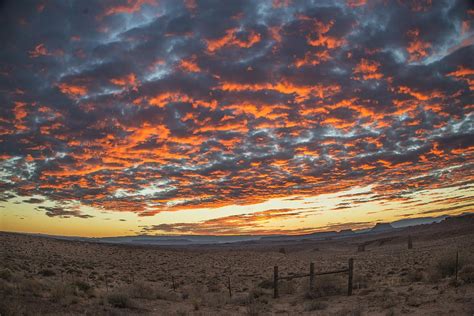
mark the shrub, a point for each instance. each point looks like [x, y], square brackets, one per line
[119, 300]
[467, 273]
[360, 281]
[6, 274]
[266, 284]
[349, 312]
[62, 293]
[253, 307]
[84, 287]
[31, 286]
[196, 304]
[282, 250]
[141, 290]
[414, 276]
[213, 286]
[446, 265]
[12, 308]
[287, 287]
[47, 273]
[315, 306]
[326, 286]
[166, 295]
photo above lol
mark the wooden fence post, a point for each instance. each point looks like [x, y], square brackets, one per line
[228, 285]
[351, 272]
[275, 282]
[174, 285]
[311, 276]
[410, 243]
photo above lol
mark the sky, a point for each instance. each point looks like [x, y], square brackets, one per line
[233, 117]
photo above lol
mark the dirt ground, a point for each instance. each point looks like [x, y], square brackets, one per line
[41, 275]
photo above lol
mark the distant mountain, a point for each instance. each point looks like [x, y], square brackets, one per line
[177, 240]
[417, 221]
[381, 227]
[183, 240]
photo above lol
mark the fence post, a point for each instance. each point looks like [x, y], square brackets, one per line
[275, 282]
[174, 285]
[410, 243]
[457, 263]
[351, 272]
[311, 276]
[228, 285]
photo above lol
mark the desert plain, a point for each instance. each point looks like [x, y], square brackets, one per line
[49, 276]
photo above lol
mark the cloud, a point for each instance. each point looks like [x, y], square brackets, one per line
[62, 213]
[232, 225]
[146, 106]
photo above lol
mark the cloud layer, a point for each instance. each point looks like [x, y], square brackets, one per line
[148, 106]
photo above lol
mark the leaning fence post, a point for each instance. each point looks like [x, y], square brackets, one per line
[275, 282]
[311, 276]
[410, 243]
[351, 271]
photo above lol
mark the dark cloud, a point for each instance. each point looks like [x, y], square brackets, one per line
[61, 212]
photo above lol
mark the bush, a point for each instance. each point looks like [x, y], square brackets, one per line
[414, 276]
[31, 286]
[6, 274]
[253, 307]
[467, 273]
[12, 308]
[47, 273]
[315, 306]
[62, 293]
[446, 265]
[266, 284]
[141, 290]
[326, 286]
[360, 281]
[287, 287]
[120, 300]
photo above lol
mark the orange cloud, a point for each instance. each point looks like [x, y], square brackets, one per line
[72, 90]
[367, 70]
[230, 39]
[320, 38]
[190, 65]
[39, 50]
[417, 49]
[131, 6]
[128, 80]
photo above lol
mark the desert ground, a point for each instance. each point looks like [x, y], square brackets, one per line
[46, 276]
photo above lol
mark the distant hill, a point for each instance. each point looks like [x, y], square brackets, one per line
[417, 221]
[426, 223]
[382, 227]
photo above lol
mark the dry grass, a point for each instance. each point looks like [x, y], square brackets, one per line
[327, 285]
[120, 300]
[388, 279]
[467, 273]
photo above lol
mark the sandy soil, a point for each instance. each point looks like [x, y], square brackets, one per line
[41, 275]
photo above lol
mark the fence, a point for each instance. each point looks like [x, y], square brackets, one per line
[361, 247]
[311, 275]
